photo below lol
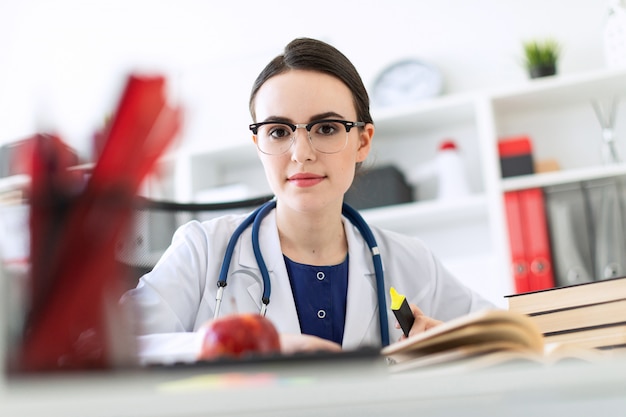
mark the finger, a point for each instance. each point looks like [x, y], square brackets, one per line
[292, 343]
[416, 310]
[328, 345]
[419, 325]
[432, 323]
[423, 323]
[314, 343]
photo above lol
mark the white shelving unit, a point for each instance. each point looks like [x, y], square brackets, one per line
[563, 177]
[469, 235]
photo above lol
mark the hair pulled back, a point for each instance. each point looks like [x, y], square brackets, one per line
[315, 55]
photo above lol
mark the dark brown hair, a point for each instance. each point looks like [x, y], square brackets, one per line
[315, 55]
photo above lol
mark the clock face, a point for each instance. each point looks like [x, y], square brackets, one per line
[406, 82]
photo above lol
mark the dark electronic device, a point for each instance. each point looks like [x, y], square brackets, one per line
[516, 157]
[378, 186]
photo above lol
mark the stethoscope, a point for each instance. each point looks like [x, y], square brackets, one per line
[255, 219]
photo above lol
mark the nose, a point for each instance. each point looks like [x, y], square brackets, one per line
[302, 149]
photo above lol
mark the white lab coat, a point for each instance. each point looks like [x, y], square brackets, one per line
[178, 296]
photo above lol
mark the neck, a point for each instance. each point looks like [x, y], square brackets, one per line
[312, 238]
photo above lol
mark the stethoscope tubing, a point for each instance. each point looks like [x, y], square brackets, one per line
[230, 248]
[256, 226]
[360, 223]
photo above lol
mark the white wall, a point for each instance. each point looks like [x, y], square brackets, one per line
[62, 61]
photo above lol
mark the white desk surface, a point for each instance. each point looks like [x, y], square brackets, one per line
[325, 389]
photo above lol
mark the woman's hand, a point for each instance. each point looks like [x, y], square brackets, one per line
[292, 343]
[421, 323]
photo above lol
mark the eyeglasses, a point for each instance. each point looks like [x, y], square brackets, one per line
[325, 136]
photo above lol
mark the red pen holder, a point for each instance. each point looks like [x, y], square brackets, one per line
[74, 319]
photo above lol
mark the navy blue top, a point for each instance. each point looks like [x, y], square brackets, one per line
[320, 294]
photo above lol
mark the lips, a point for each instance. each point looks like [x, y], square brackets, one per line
[305, 179]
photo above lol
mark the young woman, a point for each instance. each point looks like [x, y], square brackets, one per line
[312, 130]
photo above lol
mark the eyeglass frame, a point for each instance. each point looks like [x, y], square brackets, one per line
[254, 127]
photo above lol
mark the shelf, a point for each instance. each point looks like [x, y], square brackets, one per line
[427, 213]
[562, 177]
[549, 92]
[426, 115]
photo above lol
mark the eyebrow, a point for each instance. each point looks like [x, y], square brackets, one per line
[320, 116]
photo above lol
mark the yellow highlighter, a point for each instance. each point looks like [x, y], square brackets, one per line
[402, 311]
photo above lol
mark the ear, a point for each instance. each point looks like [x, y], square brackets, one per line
[366, 134]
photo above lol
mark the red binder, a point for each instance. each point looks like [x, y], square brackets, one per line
[529, 240]
[519, 266]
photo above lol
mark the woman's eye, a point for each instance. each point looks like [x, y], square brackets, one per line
[327, 129]
[279, 132]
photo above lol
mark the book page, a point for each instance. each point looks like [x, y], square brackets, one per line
[470, 357]
[488, 326]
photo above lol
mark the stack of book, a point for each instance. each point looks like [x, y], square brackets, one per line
[591, 315]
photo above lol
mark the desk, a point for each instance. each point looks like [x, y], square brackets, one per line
[575, 389]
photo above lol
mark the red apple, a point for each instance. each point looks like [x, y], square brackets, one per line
[239, 335]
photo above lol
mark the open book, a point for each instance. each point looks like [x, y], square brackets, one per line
[481, 339]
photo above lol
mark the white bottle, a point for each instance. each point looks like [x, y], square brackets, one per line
[449, 168]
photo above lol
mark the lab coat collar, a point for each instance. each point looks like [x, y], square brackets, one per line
[281, 309]
[362, 303]
[362, 307]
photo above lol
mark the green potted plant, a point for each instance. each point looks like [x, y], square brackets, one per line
[541, 57]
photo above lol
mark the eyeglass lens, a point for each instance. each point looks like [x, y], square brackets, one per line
[325, 137]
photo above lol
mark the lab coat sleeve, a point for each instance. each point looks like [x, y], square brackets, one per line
[451, 298]
[412, 268]
[166, 299]
[169, 348]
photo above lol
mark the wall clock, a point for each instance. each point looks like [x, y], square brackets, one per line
[406, 82]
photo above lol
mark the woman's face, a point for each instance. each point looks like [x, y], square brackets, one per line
[303, 178]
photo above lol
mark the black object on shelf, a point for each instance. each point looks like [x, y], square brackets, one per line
[378, 186]
[516, 157]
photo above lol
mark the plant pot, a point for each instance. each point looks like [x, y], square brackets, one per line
[542, 71]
